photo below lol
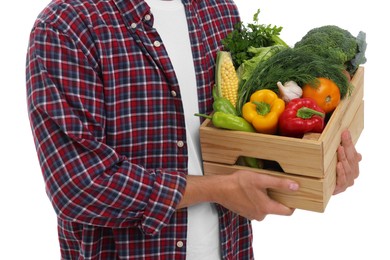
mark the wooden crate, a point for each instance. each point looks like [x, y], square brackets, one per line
[311, 161]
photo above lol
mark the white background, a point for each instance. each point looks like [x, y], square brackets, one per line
[354, 225]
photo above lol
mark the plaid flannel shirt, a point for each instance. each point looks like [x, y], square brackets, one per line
[108, 124]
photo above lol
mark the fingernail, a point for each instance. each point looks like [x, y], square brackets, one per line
[293, 186]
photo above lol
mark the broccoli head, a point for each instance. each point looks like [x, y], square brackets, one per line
[337, 43]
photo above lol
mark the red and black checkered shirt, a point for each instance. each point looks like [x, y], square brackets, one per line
[108, 124]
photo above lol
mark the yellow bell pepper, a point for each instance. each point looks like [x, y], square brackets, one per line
[263, 111]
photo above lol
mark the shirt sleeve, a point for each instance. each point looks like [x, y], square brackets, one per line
[86, 180]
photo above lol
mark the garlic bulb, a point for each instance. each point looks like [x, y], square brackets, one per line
[289, 90]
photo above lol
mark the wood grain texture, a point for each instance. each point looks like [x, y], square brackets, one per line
[311, 161]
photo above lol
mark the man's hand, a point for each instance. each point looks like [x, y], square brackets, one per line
[247, 195]
[348, 163]
[243, 192]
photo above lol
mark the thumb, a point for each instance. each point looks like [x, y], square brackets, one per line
[278, 183]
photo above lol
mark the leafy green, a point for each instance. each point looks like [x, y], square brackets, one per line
[254, 35]
[302, 65]
[325, 51]
[260, 54]
[247, 67]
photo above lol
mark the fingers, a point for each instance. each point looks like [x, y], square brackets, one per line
[347, 168]
[281, 184]
[342, 168]
[272, 182]
[276, 208]
[272, 207]
[251, 195]
[350, 150]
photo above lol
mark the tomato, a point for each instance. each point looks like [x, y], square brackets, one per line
[326, 94]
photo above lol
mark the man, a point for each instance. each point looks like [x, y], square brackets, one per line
[112, 86]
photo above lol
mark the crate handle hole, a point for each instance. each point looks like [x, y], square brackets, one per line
[260, 163]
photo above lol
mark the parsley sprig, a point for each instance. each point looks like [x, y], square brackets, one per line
[252, 34]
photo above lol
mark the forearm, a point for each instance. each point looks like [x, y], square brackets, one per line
[203, 189]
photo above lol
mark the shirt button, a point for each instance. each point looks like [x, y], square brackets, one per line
[157, 44]
[147, 17]
[180, 144]
[180, 244]
[133, 25]
[173, 93]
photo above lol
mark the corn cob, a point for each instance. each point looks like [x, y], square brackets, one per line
[226, 77]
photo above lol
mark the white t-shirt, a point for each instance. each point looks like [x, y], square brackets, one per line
[171, 24]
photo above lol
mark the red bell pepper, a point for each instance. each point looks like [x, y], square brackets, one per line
[301, 115]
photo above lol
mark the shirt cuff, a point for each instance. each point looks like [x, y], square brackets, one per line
[167, 191]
